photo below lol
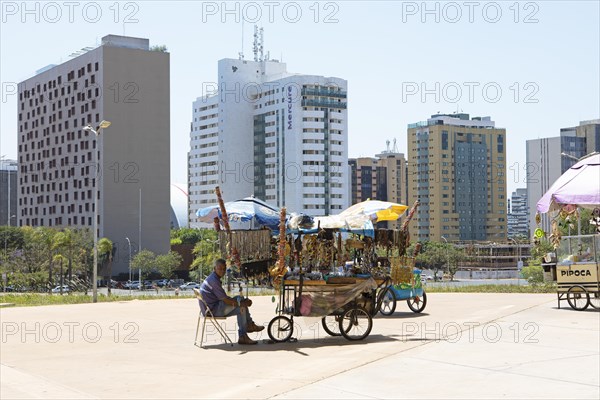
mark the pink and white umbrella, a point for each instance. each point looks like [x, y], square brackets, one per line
[578, 186]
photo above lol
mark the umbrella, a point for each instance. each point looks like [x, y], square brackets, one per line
[360, 217]
[375, 210]
[578, 186]
[244, 210]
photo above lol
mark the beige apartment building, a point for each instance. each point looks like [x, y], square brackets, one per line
[382, 177]
[126, 83]
[457, 170]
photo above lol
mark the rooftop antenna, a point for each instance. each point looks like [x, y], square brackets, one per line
[387, 146]
[255, 43]
[395, 149]
[241, 53]
[261, 44]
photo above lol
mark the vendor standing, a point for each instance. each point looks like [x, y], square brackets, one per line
[222, 305]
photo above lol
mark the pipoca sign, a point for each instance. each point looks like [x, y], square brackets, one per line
[577, 272]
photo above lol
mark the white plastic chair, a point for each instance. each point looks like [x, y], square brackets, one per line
[208, 315]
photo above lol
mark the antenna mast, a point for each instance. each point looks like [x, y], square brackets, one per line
[255, 43]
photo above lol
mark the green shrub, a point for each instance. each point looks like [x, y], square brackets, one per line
[534, 274]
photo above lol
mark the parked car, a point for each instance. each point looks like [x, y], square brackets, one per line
[190, 286]
[65, 289]
[132, 285]
[162, 282]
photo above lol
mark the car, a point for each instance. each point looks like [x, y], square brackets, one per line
[189, 286]
[65, 289]
[132, 285]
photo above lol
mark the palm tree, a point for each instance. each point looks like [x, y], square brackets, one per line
[59, 258]
[45, 237]
[105, 249]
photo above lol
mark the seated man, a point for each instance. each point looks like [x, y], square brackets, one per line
[223, 306]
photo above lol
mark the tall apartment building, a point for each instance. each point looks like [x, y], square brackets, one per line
[381, 178]
[121, 81]
[279, 136]
[8, 192]
[518, 214]
[546, 162]
[457, 169]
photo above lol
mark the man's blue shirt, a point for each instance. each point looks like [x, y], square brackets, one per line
[212, 290]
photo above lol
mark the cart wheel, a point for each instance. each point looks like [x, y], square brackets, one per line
[417, 304]
[578, 298]
[595, 300]
[280, 328]
[356, 323]
[331, 325]
[388, 302]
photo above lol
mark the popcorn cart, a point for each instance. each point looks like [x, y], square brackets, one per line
[578, 271]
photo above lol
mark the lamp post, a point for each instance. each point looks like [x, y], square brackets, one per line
[447, 261]
[129, 243]
[103, 125]
[6, 236]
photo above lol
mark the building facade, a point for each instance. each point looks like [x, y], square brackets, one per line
[518, 214]
[549, 158]
[8, 192]
[457, 171]
[380, 178]
[278, 136]
[121, 81]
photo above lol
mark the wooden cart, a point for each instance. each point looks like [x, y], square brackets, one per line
[578, 271]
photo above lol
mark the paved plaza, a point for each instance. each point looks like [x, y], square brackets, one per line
[462, 346]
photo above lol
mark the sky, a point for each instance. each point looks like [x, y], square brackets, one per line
[533, 67]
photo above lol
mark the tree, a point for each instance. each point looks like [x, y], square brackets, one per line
[166, 263]
[44, 238]
[59, 258]
[434, 255]
[144, 261]
[206, 253]
[455, 257]
[105, 251]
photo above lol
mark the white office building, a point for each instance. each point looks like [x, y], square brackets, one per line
[265, 132]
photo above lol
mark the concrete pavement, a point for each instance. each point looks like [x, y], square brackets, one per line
[462, 346]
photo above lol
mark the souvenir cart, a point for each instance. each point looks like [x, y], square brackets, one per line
[337, 302]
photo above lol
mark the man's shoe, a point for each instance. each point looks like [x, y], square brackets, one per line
[252, 327]
[246, 340]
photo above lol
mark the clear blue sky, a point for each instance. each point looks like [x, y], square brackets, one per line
[544, 56]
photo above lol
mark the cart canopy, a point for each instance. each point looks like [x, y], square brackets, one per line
[579, 185]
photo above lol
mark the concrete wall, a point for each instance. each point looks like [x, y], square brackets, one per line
[136, 151]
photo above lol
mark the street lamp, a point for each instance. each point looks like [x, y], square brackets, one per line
[447, 261]
[103, 125]
[129, 243]
[6, 236]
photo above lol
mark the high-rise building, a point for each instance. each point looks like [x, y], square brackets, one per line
[122, 81]
[549, 158]
[279, 136]
[8, 192]
[518, 214]
[380, 178]
[457, 170]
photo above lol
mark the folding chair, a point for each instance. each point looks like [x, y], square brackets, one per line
[213, 319]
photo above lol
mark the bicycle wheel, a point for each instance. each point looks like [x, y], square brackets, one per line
[356, 323]
[595, 300]
[331, 325]
[578, 298]
[387, 301]
[417, 304]
[280, 328]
